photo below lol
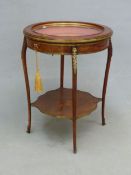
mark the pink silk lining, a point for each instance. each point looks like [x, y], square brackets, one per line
[67, 31]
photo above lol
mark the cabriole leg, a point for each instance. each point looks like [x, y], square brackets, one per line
[23, 57]
[106, 80]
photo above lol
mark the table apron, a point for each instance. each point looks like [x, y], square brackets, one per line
[66, 49]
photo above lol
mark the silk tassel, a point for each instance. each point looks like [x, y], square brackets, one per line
[38, 80]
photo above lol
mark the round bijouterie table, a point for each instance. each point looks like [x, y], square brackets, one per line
[67, 38]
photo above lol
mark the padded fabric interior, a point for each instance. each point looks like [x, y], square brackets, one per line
[67, 31]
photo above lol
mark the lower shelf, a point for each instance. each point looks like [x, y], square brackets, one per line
[58, 103]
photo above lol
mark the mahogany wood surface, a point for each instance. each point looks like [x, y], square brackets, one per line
[105, 81]
[75, 99]
[62, 49]
[104, 32]
[62, 71]
[57, 45]
[58, 103]
[23, 57]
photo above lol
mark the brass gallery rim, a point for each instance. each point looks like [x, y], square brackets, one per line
[67, 32]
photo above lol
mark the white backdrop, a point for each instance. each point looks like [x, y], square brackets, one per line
[101, 150]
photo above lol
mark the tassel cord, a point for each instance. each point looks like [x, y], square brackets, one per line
[37, 62]
[38, 81]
